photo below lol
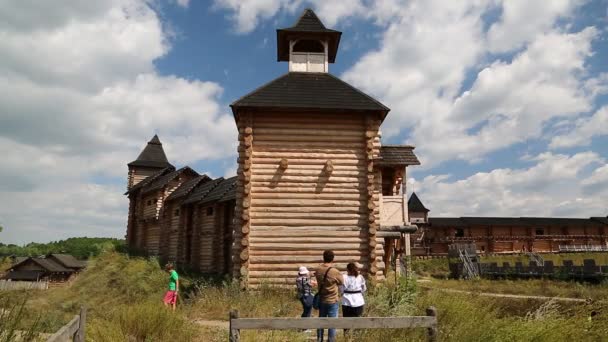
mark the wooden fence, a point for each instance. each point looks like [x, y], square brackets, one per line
[429, 321]
[23, 285]
[73, 331]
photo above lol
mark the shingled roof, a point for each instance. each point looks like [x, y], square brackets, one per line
[47, 264]
[202, 190]
[230, 193]
[219, 191]
[306, 90]
[163, 180]
[603, 220]
[310, 26]
[67, 260]
[509, 221]
[414, 204]
[153, 155]
[397, 155]
[150, 179]
[187, 187]
[24, 275]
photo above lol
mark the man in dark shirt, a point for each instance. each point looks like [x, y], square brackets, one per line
[329, 280]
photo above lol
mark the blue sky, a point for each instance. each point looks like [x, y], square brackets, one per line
[506, 101]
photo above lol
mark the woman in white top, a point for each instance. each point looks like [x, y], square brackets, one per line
[353, 289]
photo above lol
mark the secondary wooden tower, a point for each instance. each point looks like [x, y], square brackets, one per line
[306, 175]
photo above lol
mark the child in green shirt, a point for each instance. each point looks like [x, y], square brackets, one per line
[171, 295]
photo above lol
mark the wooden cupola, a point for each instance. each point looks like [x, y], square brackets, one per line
[151, 160]
[308, 46]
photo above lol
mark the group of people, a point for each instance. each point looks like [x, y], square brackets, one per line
[333, 289]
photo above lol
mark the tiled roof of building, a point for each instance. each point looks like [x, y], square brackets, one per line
[187, 186]
[397, 155]
[231, 192]
[305, 90]
[555, 221]
[150, 179]
[153, 155]
[603, 220]
[509, 221]
[24, 275]
[68, 261]
[202, 190]
[494, 221]
[309, 22]
[47, 264]
[219, 191]
[446, 222]
[308, 25]
[414, 204]
[163, 180]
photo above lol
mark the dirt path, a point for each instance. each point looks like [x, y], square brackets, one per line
[503, 295]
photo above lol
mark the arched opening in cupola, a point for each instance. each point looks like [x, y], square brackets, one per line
[308, 55]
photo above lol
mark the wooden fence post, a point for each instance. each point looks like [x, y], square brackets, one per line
[234, 333]
[80, 334]
[432, 331]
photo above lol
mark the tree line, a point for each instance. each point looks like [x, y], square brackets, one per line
[80, 247]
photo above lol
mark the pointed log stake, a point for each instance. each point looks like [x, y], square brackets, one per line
[329, 166]
[283, 164]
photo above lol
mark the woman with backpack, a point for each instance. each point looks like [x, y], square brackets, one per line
[305, 284]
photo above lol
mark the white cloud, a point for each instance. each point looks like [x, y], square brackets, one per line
[80, 97]
[247, 14]
[521, 21]
[183, 3]
[551, 187]
[584, 129]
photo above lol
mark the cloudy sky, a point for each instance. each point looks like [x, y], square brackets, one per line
[506, 101]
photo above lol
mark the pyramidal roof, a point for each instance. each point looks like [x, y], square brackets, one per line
[414, 204]
[309, 22]
[153, 155]
[300, 90]
[308, 26]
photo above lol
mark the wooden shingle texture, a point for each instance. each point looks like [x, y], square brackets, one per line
[415, 204]
[150, 179]
[305, 90]
[184, 189]
[202, 190]
[153, 155]
[163, 180]
[397, 155]
[219, 191]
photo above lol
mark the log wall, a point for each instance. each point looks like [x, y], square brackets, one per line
[207, 228]
[306, 183]
[136, 175]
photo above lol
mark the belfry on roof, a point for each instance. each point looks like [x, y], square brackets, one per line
[309, 47]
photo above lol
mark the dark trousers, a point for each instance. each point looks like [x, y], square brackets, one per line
[349, 311]
[306, 306]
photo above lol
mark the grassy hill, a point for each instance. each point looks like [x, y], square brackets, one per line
[124, 295]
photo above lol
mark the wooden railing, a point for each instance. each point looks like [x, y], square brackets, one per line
[429, 322]
[73, 331]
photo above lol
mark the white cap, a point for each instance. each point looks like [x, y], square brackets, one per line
[303, 270]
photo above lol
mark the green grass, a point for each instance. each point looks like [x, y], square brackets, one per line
[124, 295]
[533, 287]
